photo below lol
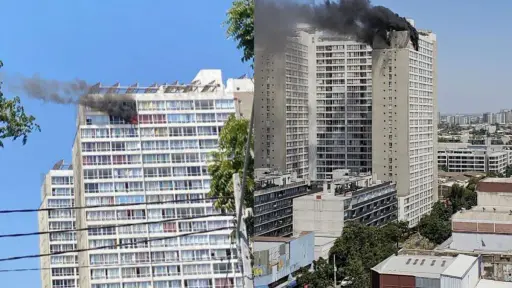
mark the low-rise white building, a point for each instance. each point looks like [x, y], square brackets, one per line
[463, 157]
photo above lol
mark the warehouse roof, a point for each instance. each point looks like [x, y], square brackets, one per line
[415, 265]
[460, 266]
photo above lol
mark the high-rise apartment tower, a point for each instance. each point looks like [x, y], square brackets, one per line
[282, 94]
[405, 120]
[161, 157]
[58, 195]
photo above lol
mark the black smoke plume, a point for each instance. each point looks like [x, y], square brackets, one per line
[275, 20]
[74, 92]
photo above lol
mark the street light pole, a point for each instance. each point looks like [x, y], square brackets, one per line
[334, 263]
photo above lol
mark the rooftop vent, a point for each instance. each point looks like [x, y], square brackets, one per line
[433, 262]
[408, 261]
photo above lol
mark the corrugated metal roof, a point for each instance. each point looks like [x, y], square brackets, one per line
[460, 266]
[415, 265]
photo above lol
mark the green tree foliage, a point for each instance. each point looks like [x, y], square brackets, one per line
[322, 275]
[396, 231]
[472, 183]
[359, 249]
[240, 27]
[508, 171]
[436, 226]
[495, 175]
[14, 122]
[460, 197]
[362, 245]
[228, 160]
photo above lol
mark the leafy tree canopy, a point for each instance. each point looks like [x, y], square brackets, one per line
[14, 122]
[436, 226]
[228, 160]
[322, 275]
[240, 27]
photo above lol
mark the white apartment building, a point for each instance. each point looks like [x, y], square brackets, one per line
[343, 106]
[161, 157]
[405, 120]
[282, 105]
[57, 191]
[462, 157]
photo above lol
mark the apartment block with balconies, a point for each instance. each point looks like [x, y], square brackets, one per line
[57, 193]
[159, 158]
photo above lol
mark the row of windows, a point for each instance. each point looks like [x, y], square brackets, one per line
[224, 282]
[163, 118]
[179, 185]
[161, 256]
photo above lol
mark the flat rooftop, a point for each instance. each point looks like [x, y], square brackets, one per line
[415, 265]
[477, 214]
[280, 239]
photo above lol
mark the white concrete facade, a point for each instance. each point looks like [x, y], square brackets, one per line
[162, 157]
[461, 157]
[405, 121]
[343, 106]
[283, 91]
[57, 192]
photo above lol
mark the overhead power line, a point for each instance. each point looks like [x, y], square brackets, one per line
[111, 246]
[111, 226]
[109, 205]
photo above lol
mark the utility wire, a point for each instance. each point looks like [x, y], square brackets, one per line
[109, 205]
[111, 226]
[110, 246]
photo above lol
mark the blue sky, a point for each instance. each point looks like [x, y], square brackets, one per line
[160, 41]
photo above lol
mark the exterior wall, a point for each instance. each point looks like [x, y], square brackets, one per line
[490, 199]
[282, 98]
[404, 121]
[469, 280]
[276, 260]
[428, 283]
[396, 281]
[343, 105]
[58, 270]
[273, 209]
[324, 216]
[375, 205]
[242, 90]
[480, 241]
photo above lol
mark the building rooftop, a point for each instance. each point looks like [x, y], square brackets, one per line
[415, 265]
[485, 283]
[460, 266]
[280, 239]
[460, 175]
[478, 214]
